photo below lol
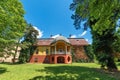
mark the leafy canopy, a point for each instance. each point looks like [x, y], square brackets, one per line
[100, 14]
[12, 23]
[101, 17]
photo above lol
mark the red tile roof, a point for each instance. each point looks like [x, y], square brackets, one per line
[73, 41]
[78, 41]
[44, 41]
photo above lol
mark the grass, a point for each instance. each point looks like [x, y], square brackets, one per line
[75, 71]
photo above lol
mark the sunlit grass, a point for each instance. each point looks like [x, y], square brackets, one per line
[74, 71]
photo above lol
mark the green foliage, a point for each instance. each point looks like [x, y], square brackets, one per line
[12, 23]
[89, 52]
[73, 55]
[101, 17]
[28, 47]
[116, 44]
[82, 61]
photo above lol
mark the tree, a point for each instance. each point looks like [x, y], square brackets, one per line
[12, 23]
[101, 17]
[117, 41]
[30, 37]
[116, 44]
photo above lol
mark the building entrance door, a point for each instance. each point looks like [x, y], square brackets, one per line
[60, 59]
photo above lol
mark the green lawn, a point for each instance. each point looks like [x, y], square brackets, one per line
[75, 71]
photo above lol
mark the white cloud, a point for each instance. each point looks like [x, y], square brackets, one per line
[73, 36]
[55, 36]
[83, 33]
[87, 40]
[117, 28]
[39, 31]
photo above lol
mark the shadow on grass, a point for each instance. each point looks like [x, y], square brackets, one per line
[70, 73]
[119, 64]
[8, 63]
[3, 70]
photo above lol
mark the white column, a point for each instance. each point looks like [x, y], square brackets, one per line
[70, 49]
[55, 49]
[66, 49]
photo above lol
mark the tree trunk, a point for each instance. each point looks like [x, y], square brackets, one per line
[111, 64]
[16, 50]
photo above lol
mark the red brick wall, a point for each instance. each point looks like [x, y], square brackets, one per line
[40, 59]
[53, 58]
[79, 53]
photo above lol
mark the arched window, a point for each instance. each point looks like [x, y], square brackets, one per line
[35, 59]
[52, 59]
[68, 59]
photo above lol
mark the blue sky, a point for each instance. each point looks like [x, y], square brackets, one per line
[52, 17]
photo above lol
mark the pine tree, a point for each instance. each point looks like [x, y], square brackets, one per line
[30, 37]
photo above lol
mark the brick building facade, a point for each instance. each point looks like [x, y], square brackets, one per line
[58, 50]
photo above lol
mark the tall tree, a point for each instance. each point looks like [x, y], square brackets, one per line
[101, 17]
[30, 38]
[12, 23]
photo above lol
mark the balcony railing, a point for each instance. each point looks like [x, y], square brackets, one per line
[58, 52]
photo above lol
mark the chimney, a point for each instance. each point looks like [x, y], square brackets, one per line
[70, 35]
[60, 34]
[51, 36]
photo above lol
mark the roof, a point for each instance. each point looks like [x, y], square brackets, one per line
[72, 41]
[60, 38]
[78, 41]
[44, 41]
